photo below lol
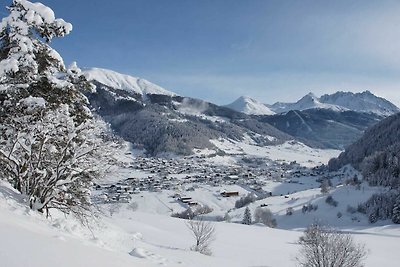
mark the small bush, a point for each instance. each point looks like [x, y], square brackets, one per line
[351, 209]
[289, 211]
[264, 216]
[322, 246]
[191, 213]
[187, 214]
[201, 210]
[330, 201]
[246, 200]
[308, 208]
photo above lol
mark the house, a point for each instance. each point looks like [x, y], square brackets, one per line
[230, 193]
[186, 199]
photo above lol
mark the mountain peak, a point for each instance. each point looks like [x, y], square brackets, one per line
[310, 95]
[250, 106]
[365, 101]
[309, 101]
[124, 82]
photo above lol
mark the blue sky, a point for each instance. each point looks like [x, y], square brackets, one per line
[219, 50]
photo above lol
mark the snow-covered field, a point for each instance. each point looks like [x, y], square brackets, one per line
[143, 233]
[146, 235]
[286, 152]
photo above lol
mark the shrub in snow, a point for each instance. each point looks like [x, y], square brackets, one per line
[203, 233]
[304, 209]
[353, 181]
[203, 209]
[133, 206]
[49, 142]
[323, 246]
[247, 217]
[396, 211]
[289, 211]
[245, 200]
[351, 209]
[264, 216]
[339, 215]
[187, 214]
[192, 212]
[219, 218]
[330, 201]
[309, 207]
[325, 186]
[227, 217]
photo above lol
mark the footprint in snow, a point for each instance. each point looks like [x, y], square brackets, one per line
[145, 254]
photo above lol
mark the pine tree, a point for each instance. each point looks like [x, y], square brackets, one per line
[247, 216]
[396, 211]
[48, 140]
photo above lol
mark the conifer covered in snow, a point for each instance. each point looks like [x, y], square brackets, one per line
[396, 211]
[48, 139]
[247, 216]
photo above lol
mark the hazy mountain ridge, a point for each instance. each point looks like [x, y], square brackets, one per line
[323, 128]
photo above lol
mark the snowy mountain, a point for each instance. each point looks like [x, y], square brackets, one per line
[162, 122]
[309, 101]
[341, 101]
[124, 82]
[361, 102]
[250, 106]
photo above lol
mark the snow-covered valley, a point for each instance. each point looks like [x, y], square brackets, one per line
[139, 230]
[99, 168]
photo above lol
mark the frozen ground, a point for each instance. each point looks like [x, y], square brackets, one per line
[143, 233]
[124, 235]
[286, 152]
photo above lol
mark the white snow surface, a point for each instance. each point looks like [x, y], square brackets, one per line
[250, 106]
[33, 102]
[124, 82]
[123, 236]
[286, 152]
[142, 232]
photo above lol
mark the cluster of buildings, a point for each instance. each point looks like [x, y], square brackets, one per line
[184, 174]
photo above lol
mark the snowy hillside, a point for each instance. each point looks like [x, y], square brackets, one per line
[124, 82]
[144, 234]
[341, 101]
[250, 106]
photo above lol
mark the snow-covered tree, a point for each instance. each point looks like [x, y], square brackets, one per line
[325, 186]
[247, 216]
[203, 233]
[49, 143]
[264, 216]
[396, 211]
[324, 247]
